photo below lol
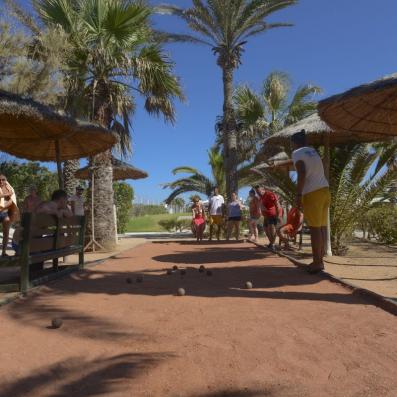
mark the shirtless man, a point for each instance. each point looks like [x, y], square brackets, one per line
[58, 205]
[6, 206]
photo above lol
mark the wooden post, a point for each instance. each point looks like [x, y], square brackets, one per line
[24, 250]
[326, 164]
[81, 242]
[55, 261]
[59, 164]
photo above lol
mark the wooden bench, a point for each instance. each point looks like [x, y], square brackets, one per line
[43, 238]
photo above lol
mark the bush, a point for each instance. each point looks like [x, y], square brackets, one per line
[381, 222]
[175, 225]
[123, 196]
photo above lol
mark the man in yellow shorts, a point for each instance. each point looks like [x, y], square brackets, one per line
[313, 195]
[215, 208]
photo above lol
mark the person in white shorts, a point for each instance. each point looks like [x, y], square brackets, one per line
[215, 209]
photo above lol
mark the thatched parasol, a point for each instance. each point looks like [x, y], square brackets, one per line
[368, 110]
[35, 132]
[121, 171]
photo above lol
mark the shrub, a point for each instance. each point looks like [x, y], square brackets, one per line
[381, 221]
[175, 225]
[123, 195]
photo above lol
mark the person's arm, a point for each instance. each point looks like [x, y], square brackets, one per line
[277, 209]
[281, 163]
[73, 206]
[209, 205]
[301, 170]
[65, 213]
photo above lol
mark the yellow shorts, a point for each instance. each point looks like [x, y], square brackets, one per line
[216, 220]
[315, 207]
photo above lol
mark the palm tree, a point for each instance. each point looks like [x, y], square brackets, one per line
[225, 26]
[261, 114]
[200, 183]
[197, 181]
[114, 53]
[359, 174]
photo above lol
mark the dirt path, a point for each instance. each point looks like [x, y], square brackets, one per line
[293, 334]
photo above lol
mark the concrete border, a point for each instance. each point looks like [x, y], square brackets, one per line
[376, 299]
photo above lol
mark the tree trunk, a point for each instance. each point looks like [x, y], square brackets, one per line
[105, 228]
[229, 134]
[101, 168]
[70, 182]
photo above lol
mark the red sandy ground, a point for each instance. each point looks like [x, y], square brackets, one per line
[293, 334]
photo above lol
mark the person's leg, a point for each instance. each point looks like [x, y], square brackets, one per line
[6, 232]
[256, 233]
[211, 228]
[237, 230]
[283, 235]
[202, 227]
[218, 230]
[229, 227]
[317, 247]
[272, 233]
[251, 229]
[324, 241]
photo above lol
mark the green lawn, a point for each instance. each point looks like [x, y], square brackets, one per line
[149, 223]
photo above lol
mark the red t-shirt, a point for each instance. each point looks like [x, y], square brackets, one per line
[294, 218]
[269, 200]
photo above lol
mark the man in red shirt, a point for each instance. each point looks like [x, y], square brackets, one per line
[292, 227]
[270, 211]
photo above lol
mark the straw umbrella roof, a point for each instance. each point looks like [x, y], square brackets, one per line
[121, 171]
[369, 109]
[32, 131]
[314, 126]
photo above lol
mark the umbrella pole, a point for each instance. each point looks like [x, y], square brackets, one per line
[59, 164]
[93, 243]
[327, 161]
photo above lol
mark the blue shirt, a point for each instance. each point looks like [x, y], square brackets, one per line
[234, 209]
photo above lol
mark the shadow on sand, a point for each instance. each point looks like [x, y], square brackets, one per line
[79, 377]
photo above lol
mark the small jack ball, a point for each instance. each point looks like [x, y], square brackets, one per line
[139, 279]
[128, 280]
[209, 273]
[201, 269]
[175, 267]
[181, 292]
[56, 323]
[183, 272]
[248, 285]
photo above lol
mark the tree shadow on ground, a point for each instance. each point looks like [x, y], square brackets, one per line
[209, 255]
[79, 377]
[236, 393]
[38, 311]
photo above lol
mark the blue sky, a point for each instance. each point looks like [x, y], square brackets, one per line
[334, 44]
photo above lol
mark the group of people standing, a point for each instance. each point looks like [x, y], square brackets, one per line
[261, 203]
[312, 200]
[60, 205]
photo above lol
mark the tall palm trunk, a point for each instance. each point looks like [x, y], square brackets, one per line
[69, 169]
[102, 170]
[229, 133]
